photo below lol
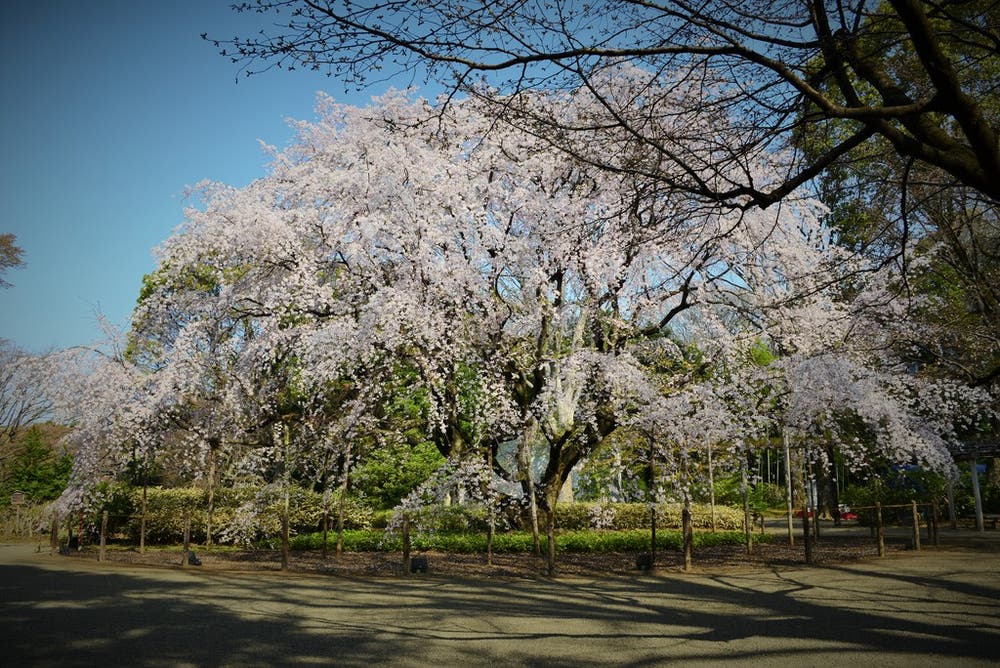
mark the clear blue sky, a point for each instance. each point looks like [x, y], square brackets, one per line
[110, 109]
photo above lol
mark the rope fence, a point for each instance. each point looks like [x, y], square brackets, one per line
[74, 531]
[810, 529]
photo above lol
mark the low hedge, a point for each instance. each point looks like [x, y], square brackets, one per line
[249, 515]
[472, 518]
[637, 516]
[630, 540]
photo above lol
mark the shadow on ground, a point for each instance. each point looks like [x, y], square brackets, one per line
[907, 611]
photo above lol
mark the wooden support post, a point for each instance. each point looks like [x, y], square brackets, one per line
[187, 540]
[952, 514]
[879, 529]
[406, 544]
[688, 533]
[326, 529]
[104, 535]
[788, 486]
[977, 497]
[934, 525]
[806, 536]
[652, 537]
[747, 521]
[54, 534]
[142, 522]
[916, 526]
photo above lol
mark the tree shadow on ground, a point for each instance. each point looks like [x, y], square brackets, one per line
[67, 616]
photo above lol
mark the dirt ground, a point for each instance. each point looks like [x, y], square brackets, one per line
[937, 607]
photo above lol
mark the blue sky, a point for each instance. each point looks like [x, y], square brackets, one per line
[109, 110]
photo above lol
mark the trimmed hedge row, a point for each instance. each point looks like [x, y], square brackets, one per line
[249, 515]
[637, 516]
[573, 517]
[240, 514]
[631, 540]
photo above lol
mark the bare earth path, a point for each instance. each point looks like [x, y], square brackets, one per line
[938, 607]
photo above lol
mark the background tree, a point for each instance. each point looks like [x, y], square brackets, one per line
[38, 465]
[23, 400]
[10, 256]
[500, 284]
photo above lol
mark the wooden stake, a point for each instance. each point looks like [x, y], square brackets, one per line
[879, 529]
[104, 534]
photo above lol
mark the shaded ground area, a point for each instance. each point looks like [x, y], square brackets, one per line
[936, 606]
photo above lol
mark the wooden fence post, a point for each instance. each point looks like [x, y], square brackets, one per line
[104, 535]
[807, 537]
[916, 526]
[406, 544]
[688, 533]
[54, 535]
[879, 529]
[934, 524]
[187, 540]
[652, 537]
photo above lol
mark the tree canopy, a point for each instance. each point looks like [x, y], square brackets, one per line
[408, 266]
[916, 74]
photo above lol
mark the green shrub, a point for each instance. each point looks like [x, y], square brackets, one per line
[464, 518]
[767, 495]
[355, 540]
[248, 513]
[387, 474]
[578, 516]
[633, 540]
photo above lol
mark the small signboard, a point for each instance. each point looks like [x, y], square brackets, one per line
[17, 499]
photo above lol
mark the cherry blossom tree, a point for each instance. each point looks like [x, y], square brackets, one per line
[513, 281]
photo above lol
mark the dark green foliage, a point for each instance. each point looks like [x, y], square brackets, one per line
[37, 468]
[761, 496]
[634, 540]
[906, 485]
[355, 540]
[386, 475]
